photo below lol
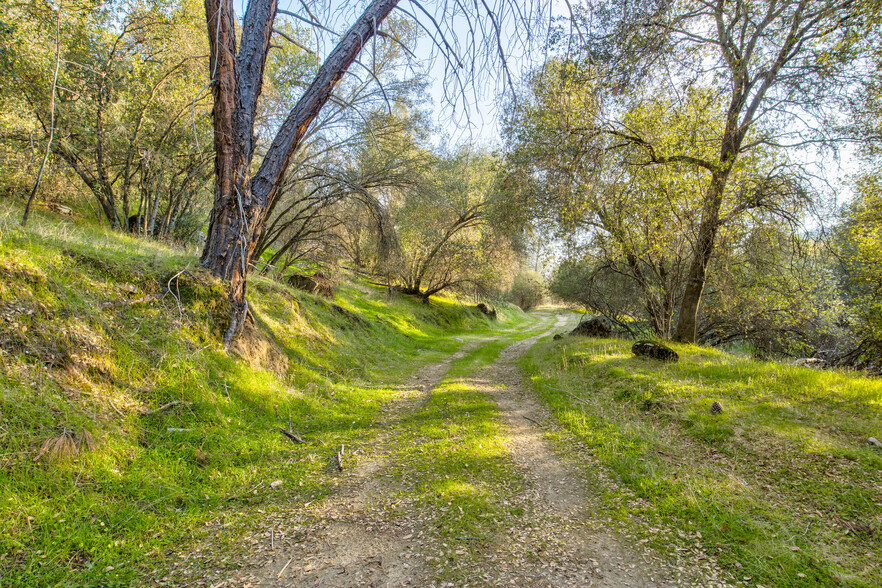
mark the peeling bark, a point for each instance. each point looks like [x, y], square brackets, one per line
[242, 201]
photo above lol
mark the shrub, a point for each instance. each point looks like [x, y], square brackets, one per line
[527, 289]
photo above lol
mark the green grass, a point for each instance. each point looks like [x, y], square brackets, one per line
[75, 353]
[453, 467]
[782, 487]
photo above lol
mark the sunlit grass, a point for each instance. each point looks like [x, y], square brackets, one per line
[453, 454]
[452, 460]
[159, 482]
[776, 484]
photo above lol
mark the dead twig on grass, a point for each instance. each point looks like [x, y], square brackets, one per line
[294, 438]
[248, 493]
[165, 407]
[340, 458]
[141, 300]
[177, 296]
[285, 568]
[534, 421]
[114, 407]
[67, 445]
[573, 396]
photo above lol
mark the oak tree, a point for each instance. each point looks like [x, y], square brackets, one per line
[777, 68]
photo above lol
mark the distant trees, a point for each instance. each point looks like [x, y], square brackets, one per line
[358, 145]
[444, 239]
[660, 150]
[388, 203]
[126, 118]
[858, 245]
[624, 222]
[527, 289]
[331, 194]
[414, 215]
[596, 286]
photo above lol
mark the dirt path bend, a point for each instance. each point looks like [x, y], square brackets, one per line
[374, 532]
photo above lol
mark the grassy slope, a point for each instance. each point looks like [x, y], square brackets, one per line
[76, 352]
[782, 488]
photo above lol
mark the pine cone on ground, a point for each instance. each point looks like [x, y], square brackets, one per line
[716, 408]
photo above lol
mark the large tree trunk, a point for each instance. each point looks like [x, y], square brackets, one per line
[687, 324]
[241, 202]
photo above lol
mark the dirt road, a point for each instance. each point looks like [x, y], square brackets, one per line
[386, 526]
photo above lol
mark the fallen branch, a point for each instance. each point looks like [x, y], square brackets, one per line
[113, 406]
[247, 495]
[573, 396]
[177, 296]
[285, 568]
[534, 421]
[291, 436]
[141, 300]
[165, 407]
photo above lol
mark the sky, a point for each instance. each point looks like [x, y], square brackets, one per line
[462, 114]
[476, 116]
[471, 113]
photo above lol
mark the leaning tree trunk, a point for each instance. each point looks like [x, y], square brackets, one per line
[241, 201]
[687, 324]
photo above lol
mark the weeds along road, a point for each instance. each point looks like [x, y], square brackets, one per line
[468, 483]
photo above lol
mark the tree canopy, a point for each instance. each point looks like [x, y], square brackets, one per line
[669, 159]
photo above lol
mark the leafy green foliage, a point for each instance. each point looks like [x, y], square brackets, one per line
[772, 290]
[724, 105]
[445, 241]
[527, 289]
[859, 241]
[130, 116]
[631, 228]
[599, 289]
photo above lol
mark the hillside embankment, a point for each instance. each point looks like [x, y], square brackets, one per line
[371, 439]
[127, 433]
